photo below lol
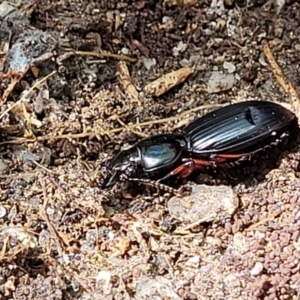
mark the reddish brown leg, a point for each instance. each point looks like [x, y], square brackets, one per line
[219, 158]
[188, 167]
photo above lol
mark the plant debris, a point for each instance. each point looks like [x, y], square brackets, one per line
[167, 81]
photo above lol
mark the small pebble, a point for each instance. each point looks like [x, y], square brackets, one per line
[219, 82]
[2, 211]
[257, 269]
[204, 204]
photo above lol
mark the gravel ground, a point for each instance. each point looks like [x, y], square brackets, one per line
[74, 87]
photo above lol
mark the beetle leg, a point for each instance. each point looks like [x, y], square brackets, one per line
[156, 184]
[219, 158]
[202, 163]
[188, 166]
[183, 170]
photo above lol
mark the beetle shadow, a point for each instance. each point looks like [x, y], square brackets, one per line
[255, 170]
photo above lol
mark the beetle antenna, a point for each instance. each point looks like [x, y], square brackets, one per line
[155, 184]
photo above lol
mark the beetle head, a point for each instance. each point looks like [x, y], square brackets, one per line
[121, 167]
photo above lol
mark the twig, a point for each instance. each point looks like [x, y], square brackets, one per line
[4, 248]
[261, 222]
[104, 55]
[43, 167]
[127, 84]
[141, 134]
[83, 284]
[55, 235]
[281, 78]
[115, 130]
[36, 84]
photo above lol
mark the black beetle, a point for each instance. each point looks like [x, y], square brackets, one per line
[229, 134]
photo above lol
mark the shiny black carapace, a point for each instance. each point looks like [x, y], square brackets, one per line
[230, 134]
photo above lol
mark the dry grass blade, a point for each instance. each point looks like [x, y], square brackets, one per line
[180, 2]
[51, 227]
[15, 79]
[261, 222]
[127, 84]
[38, 83]
[281, 78]
[104, 55]
[143, 135]
[115, 130]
